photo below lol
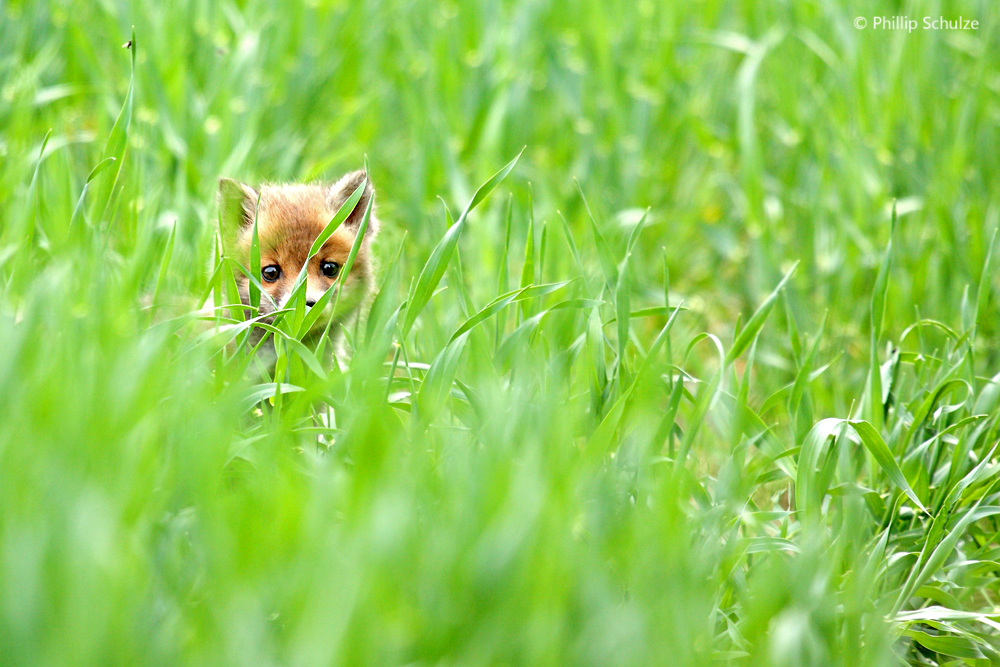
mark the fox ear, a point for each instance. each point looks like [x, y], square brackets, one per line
[237, 203]
[340, 191]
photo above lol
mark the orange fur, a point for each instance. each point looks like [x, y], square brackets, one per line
[289, 219]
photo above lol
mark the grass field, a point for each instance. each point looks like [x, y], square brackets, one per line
[709, 374]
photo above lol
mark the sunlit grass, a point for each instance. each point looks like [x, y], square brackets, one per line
[684, 347]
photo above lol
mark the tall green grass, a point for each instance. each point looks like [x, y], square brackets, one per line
[684, 348]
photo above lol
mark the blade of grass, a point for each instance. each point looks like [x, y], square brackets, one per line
[528, 268]
[603, 249]
[756, 322]
[503, 280]
[255, 288]
[436, 264]
[25, 233]
[880, 451]
[504, 300]
[78, 209]
[874, 406]
[168, 254]
[117, 143]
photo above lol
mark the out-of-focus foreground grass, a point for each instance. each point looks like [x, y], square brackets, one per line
[652, 450]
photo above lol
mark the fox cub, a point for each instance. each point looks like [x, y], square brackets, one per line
[289, 219]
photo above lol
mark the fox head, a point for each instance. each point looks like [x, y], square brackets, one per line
[289, 219]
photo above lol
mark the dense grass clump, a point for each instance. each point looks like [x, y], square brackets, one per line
[684, 348]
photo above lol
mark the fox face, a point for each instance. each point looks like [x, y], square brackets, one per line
[289, 219]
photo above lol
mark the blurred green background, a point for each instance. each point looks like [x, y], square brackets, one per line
[146, 517]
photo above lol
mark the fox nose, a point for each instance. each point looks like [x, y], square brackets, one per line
[311, 302]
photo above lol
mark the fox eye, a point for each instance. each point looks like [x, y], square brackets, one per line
[330, 269]
[271, 272]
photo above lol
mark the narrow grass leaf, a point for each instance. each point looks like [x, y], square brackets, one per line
[437, 385]
[940, 553]
[808, 489]
[574, 251]
[378, 314]
[950, 645]
[623, 306]
[25, 233]
[706, 396]
[938, 613]
[874, 406]
[255, 288]
[436, 264]
[600, 441]
[77, 217]
[985, 279]
[756, 322]
[802, 376]
[501, 302]
[503, 280]
[604, 255]
[262, 392]
[880, 451]
[117, 142]
[168, 254]
[522, 334]
[528, 268]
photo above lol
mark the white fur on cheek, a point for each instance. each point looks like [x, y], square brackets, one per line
[281, 301]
